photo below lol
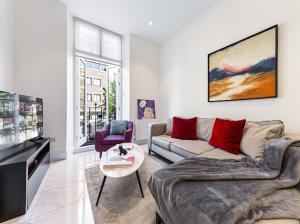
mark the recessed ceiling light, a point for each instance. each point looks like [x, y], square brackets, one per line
[150, 23]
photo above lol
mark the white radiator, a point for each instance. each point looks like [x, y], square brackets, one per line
[141, 130]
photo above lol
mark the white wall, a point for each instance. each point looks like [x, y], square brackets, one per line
[125, 78]
[184, 61]
[144, 78]
[70, 84]
[6, 46]
[41, 63]
[144, 72]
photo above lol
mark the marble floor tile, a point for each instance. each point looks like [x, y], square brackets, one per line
[75, 213]
[62, 197]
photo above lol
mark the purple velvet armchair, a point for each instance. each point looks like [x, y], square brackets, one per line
[104, 141]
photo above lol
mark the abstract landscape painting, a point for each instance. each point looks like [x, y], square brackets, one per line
[244, 70]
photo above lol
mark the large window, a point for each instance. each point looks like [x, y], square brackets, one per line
[111, 46]
[97, 42]
[97, 81]
[88, 40]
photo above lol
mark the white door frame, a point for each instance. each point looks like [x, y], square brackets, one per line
[79, 141]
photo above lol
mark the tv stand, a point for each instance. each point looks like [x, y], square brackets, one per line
[21, 175]
[37, 140]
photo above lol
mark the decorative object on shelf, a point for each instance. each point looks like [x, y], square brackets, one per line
[246, 69]
[146, 109]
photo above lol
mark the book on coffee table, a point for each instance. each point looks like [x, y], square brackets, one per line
[115, 160]
[115, 164]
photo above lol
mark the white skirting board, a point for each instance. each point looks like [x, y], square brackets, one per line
[58, 155]
[84, 149]
[141, 130]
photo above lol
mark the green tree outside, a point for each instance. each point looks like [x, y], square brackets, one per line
[112, 113]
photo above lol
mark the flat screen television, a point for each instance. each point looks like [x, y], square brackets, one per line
[21, 119]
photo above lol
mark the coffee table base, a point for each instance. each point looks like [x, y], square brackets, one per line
[138, 177]
[104, 179]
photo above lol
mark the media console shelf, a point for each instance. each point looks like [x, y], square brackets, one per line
[21, 174]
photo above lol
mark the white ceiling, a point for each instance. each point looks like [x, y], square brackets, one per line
[133, 16]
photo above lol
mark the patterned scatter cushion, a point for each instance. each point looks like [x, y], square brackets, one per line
[118, 127]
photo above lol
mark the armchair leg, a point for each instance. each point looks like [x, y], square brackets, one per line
[100, 155]
[149, 152]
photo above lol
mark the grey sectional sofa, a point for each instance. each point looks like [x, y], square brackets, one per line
[161, 142]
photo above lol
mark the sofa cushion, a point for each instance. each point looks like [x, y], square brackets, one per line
[204, 131]
[220, 154]
[256, 136]
[118, 127]
[278, 134]
[113, 139]
[169, 126]
[184, 128]
[227, 135]
[204, 128]
[163, 141]
[190, 148]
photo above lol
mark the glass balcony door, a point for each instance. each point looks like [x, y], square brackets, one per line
[81, 121]
[97, 98]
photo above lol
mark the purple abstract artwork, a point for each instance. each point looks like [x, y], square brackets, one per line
[146, 109]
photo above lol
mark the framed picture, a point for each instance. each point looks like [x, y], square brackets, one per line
[146, 109]
[246, 69]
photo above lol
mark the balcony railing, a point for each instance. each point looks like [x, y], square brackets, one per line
[96, 119]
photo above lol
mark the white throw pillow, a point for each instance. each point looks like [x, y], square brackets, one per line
[169, 126]
[256, 136]
[204, 128]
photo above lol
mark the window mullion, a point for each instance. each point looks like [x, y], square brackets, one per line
[100, 43]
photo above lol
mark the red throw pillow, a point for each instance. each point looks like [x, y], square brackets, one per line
[227, 135]
[185, 129]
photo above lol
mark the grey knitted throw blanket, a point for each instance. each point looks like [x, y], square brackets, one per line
[212, 191]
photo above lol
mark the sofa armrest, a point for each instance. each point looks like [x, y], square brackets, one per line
[291, 136]
[101, 134]
[128, 135]
[155, 130]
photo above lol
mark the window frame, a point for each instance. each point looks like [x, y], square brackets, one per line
[87, 97]
[98, 59]
[95, 96]
[89, 78]
[97, 79]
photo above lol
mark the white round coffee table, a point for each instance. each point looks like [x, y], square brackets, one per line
[118, 172]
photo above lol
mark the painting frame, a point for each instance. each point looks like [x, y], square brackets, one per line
[236, 43]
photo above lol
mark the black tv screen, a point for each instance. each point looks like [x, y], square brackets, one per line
[21, 119]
